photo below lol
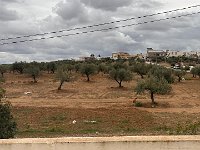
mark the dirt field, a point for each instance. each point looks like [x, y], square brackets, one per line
[99, 108]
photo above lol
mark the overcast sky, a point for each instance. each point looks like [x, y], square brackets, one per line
[23, 17]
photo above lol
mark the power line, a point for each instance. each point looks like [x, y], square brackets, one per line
[99, 30]
[96, 25]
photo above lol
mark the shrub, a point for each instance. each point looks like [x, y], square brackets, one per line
[8, 126]
[2, 79]
[138, 104]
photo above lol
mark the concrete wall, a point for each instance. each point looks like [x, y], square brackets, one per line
[105, 143]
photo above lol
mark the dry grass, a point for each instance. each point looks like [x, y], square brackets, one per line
[99, 107]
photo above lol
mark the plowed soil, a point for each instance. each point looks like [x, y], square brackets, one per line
[99, 107]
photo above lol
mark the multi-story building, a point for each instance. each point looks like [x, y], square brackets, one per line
[171, 53]
[151, 53]
[174, 53]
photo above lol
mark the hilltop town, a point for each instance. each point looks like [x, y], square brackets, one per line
[154, 56]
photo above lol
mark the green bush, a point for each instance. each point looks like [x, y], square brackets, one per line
[187, 129]
[138, 104]
[8, 126]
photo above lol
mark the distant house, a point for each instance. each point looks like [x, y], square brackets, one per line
[141, 56]
[175, 53]
[151, 53]
[193, 54]
[92, 57]
[198, 54]
[122, 55]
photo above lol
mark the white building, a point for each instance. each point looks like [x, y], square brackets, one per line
[174, 53]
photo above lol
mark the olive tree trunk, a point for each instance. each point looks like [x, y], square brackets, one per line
[152, 99]
[61, 83]
[34, 79]
[88, 78]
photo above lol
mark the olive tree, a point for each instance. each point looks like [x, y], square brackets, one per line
[88, 69]
[77, 67]
[2, 70]
[154, 85]
[196, 71]
[119, 65]
[161, 72]
[19, 67]
[120, 75]
[103, 68]
[8, 126]
[51, 67]
[179, 74]
[69, 67]
[62, 76]
[141, 69]
[33, 71]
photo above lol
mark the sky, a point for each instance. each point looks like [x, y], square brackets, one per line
[25, 17]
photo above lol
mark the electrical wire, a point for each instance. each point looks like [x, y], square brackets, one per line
[97, 25]
[99, 30]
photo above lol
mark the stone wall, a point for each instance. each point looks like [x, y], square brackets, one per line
[105, 143]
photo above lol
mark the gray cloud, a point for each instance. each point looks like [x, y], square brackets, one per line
[7, 1]
[107, 5]
[147, 5]
[7, 14]
[178, 34]
[71, 10]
